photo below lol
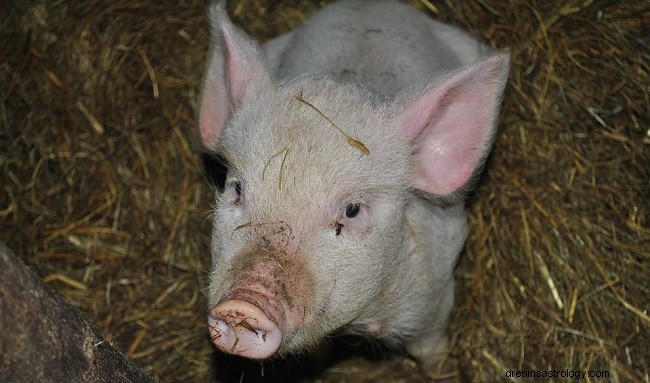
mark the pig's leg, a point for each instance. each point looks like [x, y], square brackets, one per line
[430, 351]
[430, 347]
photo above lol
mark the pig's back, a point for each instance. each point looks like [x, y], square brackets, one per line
[384, 45]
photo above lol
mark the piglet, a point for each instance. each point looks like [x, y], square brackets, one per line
[351, 142]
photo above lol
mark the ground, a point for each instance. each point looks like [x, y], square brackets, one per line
[104, 195]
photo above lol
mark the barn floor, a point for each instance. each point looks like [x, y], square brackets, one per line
[104, 196]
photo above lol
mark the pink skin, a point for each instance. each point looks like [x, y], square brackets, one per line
[240, 327]
[281, 282]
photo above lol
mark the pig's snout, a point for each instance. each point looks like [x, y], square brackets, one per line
[241, 328]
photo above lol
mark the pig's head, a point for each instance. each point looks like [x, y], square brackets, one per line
[308, 226]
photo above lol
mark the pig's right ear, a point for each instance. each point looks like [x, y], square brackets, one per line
[236, 69]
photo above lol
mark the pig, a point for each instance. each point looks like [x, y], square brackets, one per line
[351, 143]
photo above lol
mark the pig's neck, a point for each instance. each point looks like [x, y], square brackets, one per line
[418, 297]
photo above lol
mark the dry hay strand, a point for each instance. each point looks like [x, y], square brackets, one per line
[556, 273]
[103, 195]
[102, 190]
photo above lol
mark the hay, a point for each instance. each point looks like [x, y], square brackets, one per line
[103, 194]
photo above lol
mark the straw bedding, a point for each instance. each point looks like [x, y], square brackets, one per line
[104, 194]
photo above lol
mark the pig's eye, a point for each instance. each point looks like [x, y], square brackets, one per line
[351, 215]
[352, 209]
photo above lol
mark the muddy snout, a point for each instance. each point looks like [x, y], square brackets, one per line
[242, 328]
[267, 292]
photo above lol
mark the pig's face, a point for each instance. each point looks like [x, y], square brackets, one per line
[307, 223]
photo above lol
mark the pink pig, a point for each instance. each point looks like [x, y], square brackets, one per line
[351, 143]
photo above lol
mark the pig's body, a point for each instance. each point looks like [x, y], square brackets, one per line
[384, 45]
[343, 138]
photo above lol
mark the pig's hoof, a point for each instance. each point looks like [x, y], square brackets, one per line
[241, 328]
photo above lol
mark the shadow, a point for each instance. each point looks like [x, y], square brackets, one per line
[300, 368]
[215, 169]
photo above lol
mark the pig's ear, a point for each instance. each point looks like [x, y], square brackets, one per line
[452, 124]
[236, 69]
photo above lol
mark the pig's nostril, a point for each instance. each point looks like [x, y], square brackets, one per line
[241, 328]
[262, 335]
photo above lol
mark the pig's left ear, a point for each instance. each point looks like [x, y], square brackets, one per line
[236, 69]
[451, 125]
